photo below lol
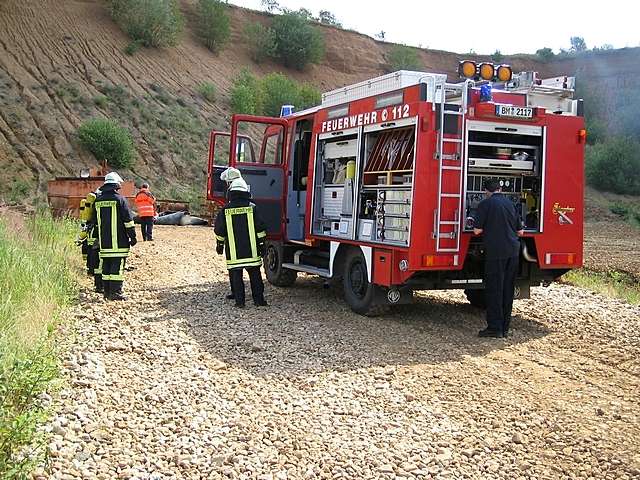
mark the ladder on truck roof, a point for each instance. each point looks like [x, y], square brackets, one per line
[447, 216]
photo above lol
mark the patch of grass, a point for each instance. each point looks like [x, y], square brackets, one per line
[613, 283]
[132, 47]
[19, 191]
[100, 101]
[403, 57]
[208, 91]
[32, 295]
[68, 91]
[629, 211]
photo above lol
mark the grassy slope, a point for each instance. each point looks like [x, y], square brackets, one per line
[38, 270]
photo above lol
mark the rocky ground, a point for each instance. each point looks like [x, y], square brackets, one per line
[176, 383]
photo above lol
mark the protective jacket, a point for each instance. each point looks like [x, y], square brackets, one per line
[145, 203]
[239, 227]
[115, 224]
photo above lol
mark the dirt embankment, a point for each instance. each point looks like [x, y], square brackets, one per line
[63, 62]
[176, 383]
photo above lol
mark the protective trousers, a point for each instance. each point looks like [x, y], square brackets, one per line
[499, 279]
[113, 275]
[94, 267]
[237, 284]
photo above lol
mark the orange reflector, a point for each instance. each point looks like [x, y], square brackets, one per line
[467, 69]
[504, 73]
[582, 135]
[427, 260]
[487, 71]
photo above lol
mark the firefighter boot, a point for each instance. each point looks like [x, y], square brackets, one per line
[116, 291]
[106, 288]
[97, 281]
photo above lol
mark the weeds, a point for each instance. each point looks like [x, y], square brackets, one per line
[38, 266]
[208, 91]
[612, 283]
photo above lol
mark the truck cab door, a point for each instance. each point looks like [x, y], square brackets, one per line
[262, 168]
[218, 162]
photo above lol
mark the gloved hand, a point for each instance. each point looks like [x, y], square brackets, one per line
[220, 248]
[261, 249]
[133, 241]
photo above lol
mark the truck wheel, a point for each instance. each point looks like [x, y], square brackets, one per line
[476, 297]
[276, 274]
[359, 293]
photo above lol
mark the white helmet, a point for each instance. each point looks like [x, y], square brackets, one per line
[113, 177]
[230, 174]
[238, 185]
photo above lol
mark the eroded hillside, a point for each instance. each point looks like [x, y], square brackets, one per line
[64, 62]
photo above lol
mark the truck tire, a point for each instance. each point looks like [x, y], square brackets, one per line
[359, 293]
[276, 274]
[476, 297]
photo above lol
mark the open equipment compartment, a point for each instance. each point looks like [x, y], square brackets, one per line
[384, 206]
[514, 155]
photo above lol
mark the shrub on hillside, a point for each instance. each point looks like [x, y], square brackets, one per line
[403, 57]
[107, 141]
[297, 42]
[154, 23]
[545, 54]
[213, 23]
[208, 91]
[278, 90]
[613, 165]
[262, 42]
[265, 96]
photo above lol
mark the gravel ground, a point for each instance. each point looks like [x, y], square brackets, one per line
[175, 383]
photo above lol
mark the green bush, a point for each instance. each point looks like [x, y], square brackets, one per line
[613, 165]
[100, 101]
[262, 42]
[308, 96]
[107, 141]
[265, 96]
[154, 23]
[403, 57]
[213, 23]
[545, 54]
[297, 42]
[132, 47]
[278, 90]
[497, 56]
[32, 294]
[208, 91]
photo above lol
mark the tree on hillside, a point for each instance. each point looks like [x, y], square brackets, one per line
[271, 6]
[578, 45]
[154, 23]
[328, 18]
[403, 57]
[545, 53]
[497, 56]
[213, 23]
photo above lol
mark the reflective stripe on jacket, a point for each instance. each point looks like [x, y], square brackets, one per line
[145, 203]
[241, 230]
[115, 224]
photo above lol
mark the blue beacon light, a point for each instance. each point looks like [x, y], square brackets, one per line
[485, 93]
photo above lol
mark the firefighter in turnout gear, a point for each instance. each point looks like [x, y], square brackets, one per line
[240, 234]
[116, 234]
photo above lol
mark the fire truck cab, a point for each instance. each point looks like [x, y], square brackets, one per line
[377, 186]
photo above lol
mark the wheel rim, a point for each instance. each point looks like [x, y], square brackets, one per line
[272, 259]
[358, 279]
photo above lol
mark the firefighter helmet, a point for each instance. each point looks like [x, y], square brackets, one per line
[113, 177]
[230, 174]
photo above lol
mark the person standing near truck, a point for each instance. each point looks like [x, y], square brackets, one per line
[116, 234]
[498, 222]
[241, 234]
[146, 206]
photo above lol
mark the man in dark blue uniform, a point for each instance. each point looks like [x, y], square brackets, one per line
[498, 222]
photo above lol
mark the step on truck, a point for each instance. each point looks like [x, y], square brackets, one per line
[377, 186]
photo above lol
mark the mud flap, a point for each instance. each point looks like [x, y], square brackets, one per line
[393, 295]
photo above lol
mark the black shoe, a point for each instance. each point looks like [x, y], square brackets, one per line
[230, 296]
[261, 303]
[490, 333]
[239, 305]
[118, 297]
[99, 290]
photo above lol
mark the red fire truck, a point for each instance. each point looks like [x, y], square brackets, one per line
[377, 186]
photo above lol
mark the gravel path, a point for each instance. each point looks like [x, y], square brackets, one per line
[175, 383]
